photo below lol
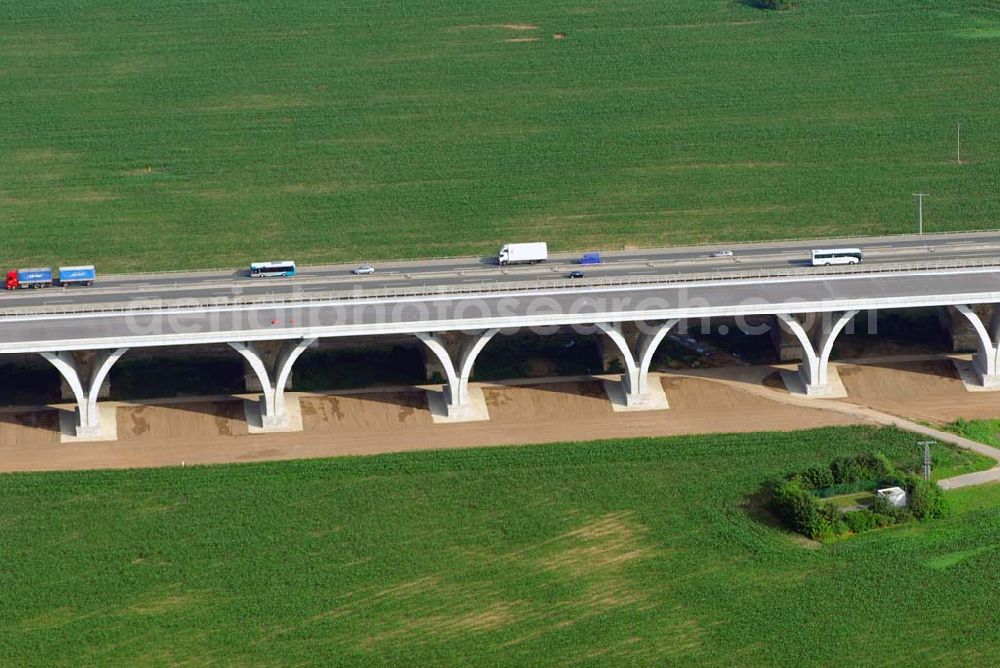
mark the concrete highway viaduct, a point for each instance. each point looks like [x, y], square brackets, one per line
[271, 332]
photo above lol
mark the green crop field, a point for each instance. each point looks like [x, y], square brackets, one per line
[651, 551]
[184, 133]
[984, 431]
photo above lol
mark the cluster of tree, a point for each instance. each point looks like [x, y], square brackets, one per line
[797, 500]
[844, 474]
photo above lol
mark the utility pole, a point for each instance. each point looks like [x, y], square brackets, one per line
[927, 458]
[958, 145]
[920, 211]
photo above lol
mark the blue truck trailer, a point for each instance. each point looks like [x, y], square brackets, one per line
[591, 258]
[82, 275]
[39, 277]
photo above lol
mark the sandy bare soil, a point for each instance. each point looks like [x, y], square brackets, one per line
[200, 432]
[923, 391]
[356, 424]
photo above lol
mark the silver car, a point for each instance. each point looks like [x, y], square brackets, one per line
[363, 270]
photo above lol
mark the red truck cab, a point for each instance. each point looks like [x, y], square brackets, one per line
[12, 282]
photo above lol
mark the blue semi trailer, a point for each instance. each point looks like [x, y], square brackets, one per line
[82, 275]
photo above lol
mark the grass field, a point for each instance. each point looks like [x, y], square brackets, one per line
[984, 431]
[632, 551]
[182, 133]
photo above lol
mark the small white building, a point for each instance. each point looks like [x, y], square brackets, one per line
[895, 495]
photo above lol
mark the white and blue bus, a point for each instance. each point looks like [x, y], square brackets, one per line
[828, 256]
[270, 269]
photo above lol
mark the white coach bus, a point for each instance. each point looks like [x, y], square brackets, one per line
[828, 256]
[266, 269]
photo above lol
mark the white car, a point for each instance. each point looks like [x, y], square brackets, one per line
[364, 269]
[722, 253]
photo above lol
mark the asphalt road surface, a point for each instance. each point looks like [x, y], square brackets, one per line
[971, 247]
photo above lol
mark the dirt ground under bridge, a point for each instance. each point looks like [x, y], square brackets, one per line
[213, 430]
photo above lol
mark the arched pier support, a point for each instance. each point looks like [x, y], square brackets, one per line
[985, 361]
[273, 378]
[814, 370]
[86, 386]
[457, 354]
[637, 356]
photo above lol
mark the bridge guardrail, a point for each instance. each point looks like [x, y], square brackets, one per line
[488, 288]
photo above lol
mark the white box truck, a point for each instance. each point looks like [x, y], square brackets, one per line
[537, 251]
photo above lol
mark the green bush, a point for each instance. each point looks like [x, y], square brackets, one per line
[884, 512]
[775, 4]
[802, 512]
[817, 477]
[866, 466]
[799, 509]
[845, 470]
[860, 521]
[883, 521]
[881, 506]
[893, 479]
[904, 515]
[874, 465]
[786, 495]
[831, 523]
[893, 514]
[925, 499]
